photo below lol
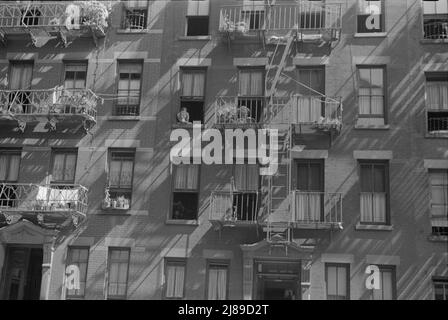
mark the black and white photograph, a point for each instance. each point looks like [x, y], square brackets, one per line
[245, 151]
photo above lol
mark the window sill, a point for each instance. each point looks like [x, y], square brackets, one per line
[123, 118]
[373, 227]
[194, 38]
[434, 41]
[372, 127]
[127, 31]
[370, 35]
[182, 222]
[185, 126]
[115, 211]
[434, 238]
[443, 135]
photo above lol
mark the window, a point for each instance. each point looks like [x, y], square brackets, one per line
[75, 75]
[121, 172]
[245, 195]
[435, 19]
[129, 88]
[193, 93]
[79, 257]
[337, 277]
[118, 269]
[437, 102]
[440, 288]
[9, 165]
[186, 192]
[217, 280]
[371, 92]
[64, 166]
[21, 76]
[309, 194]
[311, 105]
[135, 15]
[250, 94]
[174, 278]
[198, 18]
[370, 16]
[439, 201]
[387, 290]
[9, 172]
[374, 192]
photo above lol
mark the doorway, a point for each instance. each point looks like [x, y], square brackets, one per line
[278, 280]
[23, 274]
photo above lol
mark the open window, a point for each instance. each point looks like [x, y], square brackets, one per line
[435, 19]
[185, 192]
[198, 18]
[437, 103]
[192, 95]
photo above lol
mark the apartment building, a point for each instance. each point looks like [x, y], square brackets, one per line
[93, 208]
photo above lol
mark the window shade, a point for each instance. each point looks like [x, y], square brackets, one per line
[251, 83]
[193, 83]
[437, 95]
[198, 7]
[186, 177]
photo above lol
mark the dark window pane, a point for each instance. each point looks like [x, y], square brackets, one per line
[195, 110]
[379, 172]
[185, 205]
[315, 177]
[197, 26]
[366, 178]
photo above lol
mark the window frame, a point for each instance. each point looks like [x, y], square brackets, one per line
[252, 69]
[109, 264]
[65, 152]
[386, 165]
[385, 92]
[337, 265]
[217, 263]
[9, 152]
[393, 270]
[77, 297]
[195, 192]
[430, 171]
[177, 262]
[423, 22]
[117, 105]
[440, 281]
[75, 63]
[119, 189]
[382, 19]
[130, 11]
[440, 76]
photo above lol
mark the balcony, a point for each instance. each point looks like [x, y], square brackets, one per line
[322, 113]
[234, 208]
[308, 20]
[316, 210]
[51, 106]
[46, 204]
[435, 30]
[239, 111]
[42, 20]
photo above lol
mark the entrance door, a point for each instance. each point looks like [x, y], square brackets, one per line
[23, 273]
[280, 289]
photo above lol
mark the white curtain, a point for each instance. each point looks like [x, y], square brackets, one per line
[120, 174]
[371, 91]
[175, 281]
[64, 167]
[336, 282]
[308, 207]
[217, 284]
[373, 207]
[437, 95]
[246, 177]
[186, 177]
[118, 272]
[9, 167]
[386, 286]
[129, 84]
[193, 84]
[21, 76]
[75, 76]
[308, 109]
[251, 83]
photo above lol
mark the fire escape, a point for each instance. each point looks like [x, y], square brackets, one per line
[43, 21]
[282, 28]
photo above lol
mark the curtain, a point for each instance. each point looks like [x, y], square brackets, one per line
[308, 207]
[437, 95]
[193, 84]
[130, 83]
[9, 167]
[79, 258]
[114, 173]
[21, 76]
[58, 167]
[373, 207]
[175, 281]
[246, 177]
[386, 286]
[308, 109]
[217, 284]
[336, 282]
[186, 177]
[64, 167]
[75, 76]
[251, 83]
[118, 272]
[126, 174]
